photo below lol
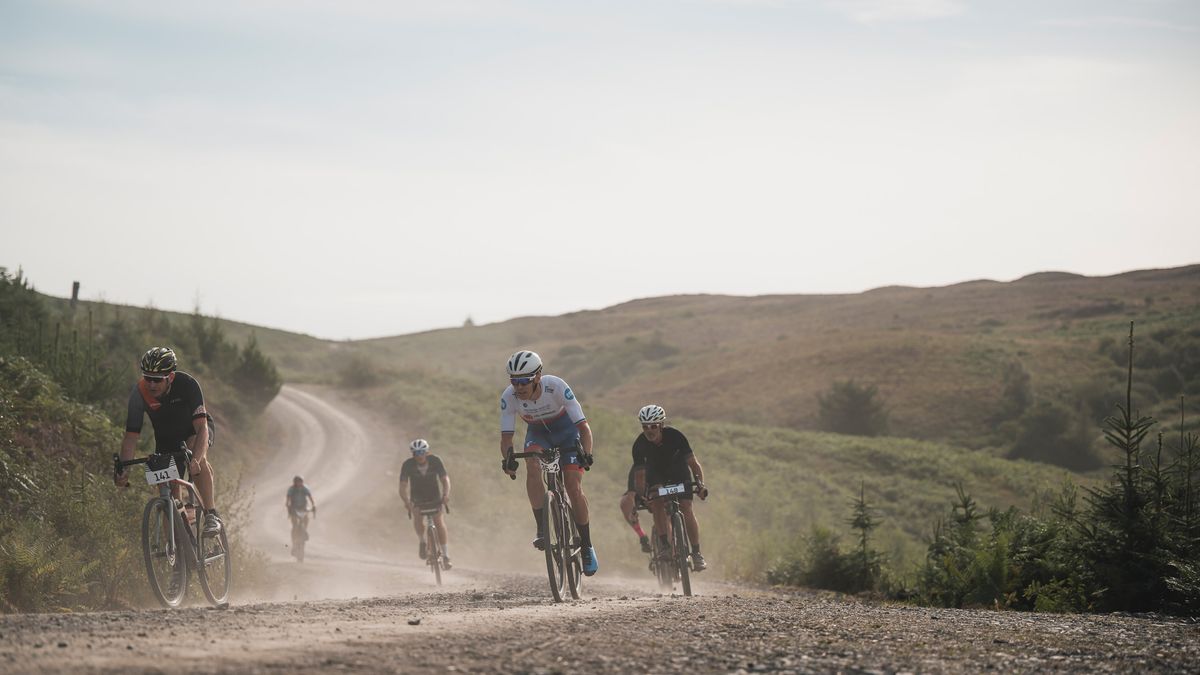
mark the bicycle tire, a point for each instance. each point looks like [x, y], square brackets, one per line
[552, 526]
[214, 556]
[166, 564]
[682, 552]
[662, 566]
[433, 553]
[574, 564]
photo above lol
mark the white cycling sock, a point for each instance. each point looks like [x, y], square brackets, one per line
[446, 550]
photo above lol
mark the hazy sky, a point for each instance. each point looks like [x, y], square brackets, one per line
[357, 169]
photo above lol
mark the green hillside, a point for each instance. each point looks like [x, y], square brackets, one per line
[769, 485]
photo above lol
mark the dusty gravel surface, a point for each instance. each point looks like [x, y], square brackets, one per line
[486, 622]
[507, 624]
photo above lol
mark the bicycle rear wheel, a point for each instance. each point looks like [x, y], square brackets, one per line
[166, 560]
[216, 567]
[434, 553]
[682, 552]
[556, 546]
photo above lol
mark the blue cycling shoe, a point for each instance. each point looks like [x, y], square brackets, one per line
[590, 565]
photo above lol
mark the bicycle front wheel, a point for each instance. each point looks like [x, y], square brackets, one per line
[434, 553]
[216, 567]
[165, 556]
[574, 557]
[682, 552]
[554, 527]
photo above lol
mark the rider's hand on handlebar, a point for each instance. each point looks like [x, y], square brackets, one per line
[702, 491]
[587, 460]
[121, 479]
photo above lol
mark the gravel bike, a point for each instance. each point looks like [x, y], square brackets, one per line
[173, 537]
[674, 562]
[300, 532]
[433, 546]
[564, 551]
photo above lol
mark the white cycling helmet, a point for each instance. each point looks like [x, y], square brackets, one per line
[652, 413]
[419, 446]
[524, 364]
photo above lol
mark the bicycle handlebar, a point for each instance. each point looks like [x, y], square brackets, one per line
[119, 464]
[689, 488]
[509, 463]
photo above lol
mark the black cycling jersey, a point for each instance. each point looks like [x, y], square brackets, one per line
[666, 461]
[171, 415]
[425, 487]
[630, 484]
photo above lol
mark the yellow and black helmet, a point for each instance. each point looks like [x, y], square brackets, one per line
[158, 360]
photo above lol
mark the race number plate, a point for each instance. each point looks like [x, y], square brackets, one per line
[154, 477]
[671, 490]
[551, 467]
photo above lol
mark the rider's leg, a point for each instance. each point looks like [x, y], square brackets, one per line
[440, 522]
[418, 522]
[534, 488]
[579, 504]
[662, 525]
[628, 510]
[204, 484]
[689, 521]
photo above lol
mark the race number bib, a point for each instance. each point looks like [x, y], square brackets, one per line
[156, 476]
[672, 490]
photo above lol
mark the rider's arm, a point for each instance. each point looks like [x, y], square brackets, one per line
[312, 501]
[697, 470]
[506, 442]
[445, 488]
[404, 491]
[639, 480]
[585, 436]
[199, 444]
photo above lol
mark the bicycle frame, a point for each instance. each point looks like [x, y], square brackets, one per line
[569, 561]
[678, 536]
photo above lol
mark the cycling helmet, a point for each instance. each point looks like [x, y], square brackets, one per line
[297, 478]
[524, 364]
[158, 360]
[651, 414]
[419, 446]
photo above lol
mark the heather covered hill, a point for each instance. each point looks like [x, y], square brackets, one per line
[939, 356]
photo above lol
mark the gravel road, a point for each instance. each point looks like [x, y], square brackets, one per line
[349, 608]
[507, 624]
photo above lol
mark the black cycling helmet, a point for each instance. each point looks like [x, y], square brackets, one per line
[158, 360]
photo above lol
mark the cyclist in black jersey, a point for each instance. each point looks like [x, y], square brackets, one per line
[630, 501]
[424, 483]
[662, 455]
[175, 404]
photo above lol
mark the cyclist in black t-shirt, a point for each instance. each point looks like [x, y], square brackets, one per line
[424, 483]
[175, 404]
[630, 501]
[663, 456]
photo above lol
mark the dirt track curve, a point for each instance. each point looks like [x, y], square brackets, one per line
[487, 621]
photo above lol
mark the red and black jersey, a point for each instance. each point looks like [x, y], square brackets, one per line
[171, 415]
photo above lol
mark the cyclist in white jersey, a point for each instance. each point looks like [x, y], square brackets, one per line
[553, 418]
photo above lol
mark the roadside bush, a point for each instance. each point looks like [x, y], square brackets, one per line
[852, 408]
[1054, 434]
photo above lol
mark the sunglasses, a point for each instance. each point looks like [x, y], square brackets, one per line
[655, 425]
[155, 378]
[521, 380]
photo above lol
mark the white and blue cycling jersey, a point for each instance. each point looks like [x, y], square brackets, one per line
[550, 419]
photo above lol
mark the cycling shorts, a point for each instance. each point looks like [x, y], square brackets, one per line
[418, 507]
[556, 433]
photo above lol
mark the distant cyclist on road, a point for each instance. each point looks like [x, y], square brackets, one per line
[629, 503]
[553, 419]
[175, 404]
[297, 501]
[424, 484]
[662, 456]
